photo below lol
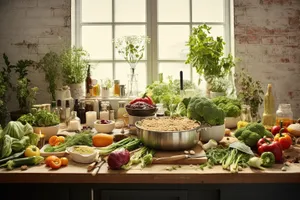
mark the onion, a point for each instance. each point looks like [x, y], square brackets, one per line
[118, 158]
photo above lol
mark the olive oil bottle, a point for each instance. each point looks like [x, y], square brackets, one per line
[269, 115]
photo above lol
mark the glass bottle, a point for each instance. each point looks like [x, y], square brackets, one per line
[269, 115]
[76, 105]
[96, 88]
[246, 113]
[121, 110]
[74, 122]
[116, 88]
[68, 110]
[81, 113]
[54, 109]
[88, 82]
[62, 116]
[284, 114]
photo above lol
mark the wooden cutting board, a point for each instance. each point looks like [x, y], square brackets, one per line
[184, 161]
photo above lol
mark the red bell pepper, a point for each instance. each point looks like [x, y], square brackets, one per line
[269, 145]
[284, 139]
[144, 98]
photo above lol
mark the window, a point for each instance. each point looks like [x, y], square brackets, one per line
[167, 22]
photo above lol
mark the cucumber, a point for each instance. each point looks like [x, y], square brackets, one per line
[34, 160]
[14, 156]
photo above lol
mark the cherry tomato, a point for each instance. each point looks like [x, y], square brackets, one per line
[64, 161]
[49, 158]
[55, 163]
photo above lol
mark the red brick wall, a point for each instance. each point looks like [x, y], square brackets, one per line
[267, 40]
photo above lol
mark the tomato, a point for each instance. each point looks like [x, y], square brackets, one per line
[49, 158]
[64, 161]
[56, 140]
[52, 140]
[32, 150]
[55, 163]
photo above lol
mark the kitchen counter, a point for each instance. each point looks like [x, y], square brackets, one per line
[77, 173]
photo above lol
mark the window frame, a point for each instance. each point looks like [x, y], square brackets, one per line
[151, 26]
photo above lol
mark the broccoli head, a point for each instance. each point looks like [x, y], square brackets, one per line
[231, 107]
[257, 128]
[205, 111]
[249, 138]
[239, 131]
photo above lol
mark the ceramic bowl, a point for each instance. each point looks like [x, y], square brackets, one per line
[213, 132]
[47, 131]
[82, 158]
[231, 122]
[104, 128]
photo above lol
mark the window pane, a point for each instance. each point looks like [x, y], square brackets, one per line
[173, 69]
[123, 70]
[130, 10]
[97, 40]
[96, 10]
[173, 11]
[208, 10]
[216, 30]
[172, 40]
[101, 71]
[129, 30]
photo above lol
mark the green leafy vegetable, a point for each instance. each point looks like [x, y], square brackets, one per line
[41, 118]
[14, 129]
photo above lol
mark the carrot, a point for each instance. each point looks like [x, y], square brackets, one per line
[102, 139]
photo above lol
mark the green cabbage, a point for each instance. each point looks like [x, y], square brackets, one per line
[6, 146]
[14, 129]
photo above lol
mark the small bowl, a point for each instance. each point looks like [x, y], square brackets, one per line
[82, 158]
[104, 128]
[213, 132]
[141, 112]
[48, 131]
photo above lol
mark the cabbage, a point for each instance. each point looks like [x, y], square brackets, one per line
[14, 129]
[118, 158]
[6, 147]
[28, 129]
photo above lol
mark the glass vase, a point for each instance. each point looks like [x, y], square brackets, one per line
[132, 88]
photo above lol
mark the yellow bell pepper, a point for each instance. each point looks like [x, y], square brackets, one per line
[241, 124]
[32, 150]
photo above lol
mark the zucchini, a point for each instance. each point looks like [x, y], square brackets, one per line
[14, 156]
[34, 160]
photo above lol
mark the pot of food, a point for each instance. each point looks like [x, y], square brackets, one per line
[166, 133]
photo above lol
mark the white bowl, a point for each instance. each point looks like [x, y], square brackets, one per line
[231, 122]
[82, 158]
[48, 131]
[213, 132]
[45, 154]
[104, 128]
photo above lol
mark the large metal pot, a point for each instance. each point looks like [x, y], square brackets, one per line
[168, 140]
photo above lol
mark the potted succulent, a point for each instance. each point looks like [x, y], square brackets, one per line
[232, 108]
[74, 65]
[26, 96]
[105, 88]
[43, 122]
[206, 54]
[50, 65]
[5, 84]
[250, 92]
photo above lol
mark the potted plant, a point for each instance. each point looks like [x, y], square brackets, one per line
[50, 65]
[249, 92]
[43, 122]
[5, 84]
[26, 96]
[211, 117]
[232, 108]
[206, 54]
[106, 85]
[74, 65]
[218, 87]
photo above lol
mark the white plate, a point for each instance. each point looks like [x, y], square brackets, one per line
[43, 153]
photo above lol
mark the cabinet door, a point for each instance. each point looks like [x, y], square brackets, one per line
[142, 195]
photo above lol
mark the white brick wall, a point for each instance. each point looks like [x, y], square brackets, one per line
[41, 24]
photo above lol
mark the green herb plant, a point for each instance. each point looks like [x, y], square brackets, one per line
[50, 65]
[74, 65]
[5, 85]
[249, 92]
[219, 85]
[207, 54]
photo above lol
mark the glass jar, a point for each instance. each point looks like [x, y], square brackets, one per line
[132, 86]
[121, 110]
[284, 114]
[246, 113]
[74, 123]
[116, 88]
